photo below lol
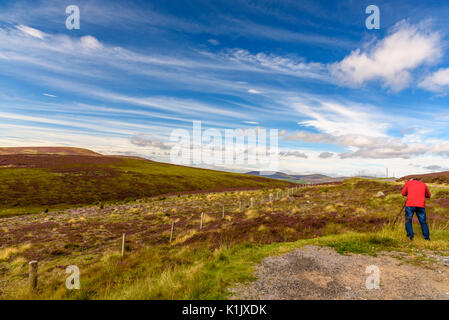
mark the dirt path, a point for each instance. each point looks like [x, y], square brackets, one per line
[321, 273]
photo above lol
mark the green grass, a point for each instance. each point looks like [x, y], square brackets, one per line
[164, 272]
[32, 190]
[204, 264]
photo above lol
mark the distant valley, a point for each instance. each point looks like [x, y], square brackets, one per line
[301, 179]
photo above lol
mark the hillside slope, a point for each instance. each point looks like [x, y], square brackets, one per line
[34, 182]
[436, 177]
[48, 150]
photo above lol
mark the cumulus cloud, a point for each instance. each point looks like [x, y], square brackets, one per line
[296, 154]
[312, 137]
[414, 165]
[379, 147]
[386, 152]
[441, 148]
[437, 81]
[325, 155]
[361, 130]
[254, 91]
[143, 142]
[391, 59]
[89, 42]
[365, 146]
[435, 168]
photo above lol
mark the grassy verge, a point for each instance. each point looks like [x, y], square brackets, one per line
[351, 218]
[197, 272]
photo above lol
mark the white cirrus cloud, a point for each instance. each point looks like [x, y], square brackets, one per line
[251, 122]
[392, 59]
[214, 42]
[31, 31]
[263, 62]
[340, 118]
[49, 95]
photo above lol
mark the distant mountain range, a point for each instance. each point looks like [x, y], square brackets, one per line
[302, 179]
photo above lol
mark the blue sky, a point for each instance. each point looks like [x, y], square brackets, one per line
[344, 98]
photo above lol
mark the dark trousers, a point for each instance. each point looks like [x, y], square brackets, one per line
[421, 214]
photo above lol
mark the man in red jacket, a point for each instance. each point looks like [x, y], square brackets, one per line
[416, 192]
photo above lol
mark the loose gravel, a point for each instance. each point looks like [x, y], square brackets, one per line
[321, 273]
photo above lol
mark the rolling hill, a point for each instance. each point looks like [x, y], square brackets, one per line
[39, 178]
[48, 150]
[436, 177]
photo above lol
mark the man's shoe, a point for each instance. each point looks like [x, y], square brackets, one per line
[428, 239]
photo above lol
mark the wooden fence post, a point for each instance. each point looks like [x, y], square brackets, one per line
[32, 274]
[171, 233]
[223, 212]
[201, 224]
[123, 244]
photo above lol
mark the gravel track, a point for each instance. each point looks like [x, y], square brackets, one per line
[320, 273]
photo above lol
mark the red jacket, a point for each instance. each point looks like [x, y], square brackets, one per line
[416, 192]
